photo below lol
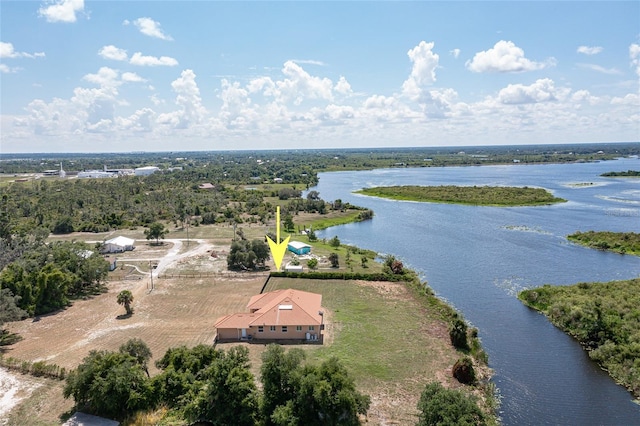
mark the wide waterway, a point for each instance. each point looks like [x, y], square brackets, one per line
[478, 258]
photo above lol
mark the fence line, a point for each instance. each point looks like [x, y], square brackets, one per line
[212, 275]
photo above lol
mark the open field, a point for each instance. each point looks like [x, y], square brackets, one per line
[177, 312]
[390, 342]
[392, 345]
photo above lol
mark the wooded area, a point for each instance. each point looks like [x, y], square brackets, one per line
[604, 317]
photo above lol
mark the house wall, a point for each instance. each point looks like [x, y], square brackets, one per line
[300, 251]
[234, 334]
[291, 334]
[228, 334]
[112, 248]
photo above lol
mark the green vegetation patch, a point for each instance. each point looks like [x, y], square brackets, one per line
[618, 242]
[604, 317]
[377, 337]
[475, 195]
[628, 173]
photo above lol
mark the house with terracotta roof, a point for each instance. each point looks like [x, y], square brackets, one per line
[282, 315]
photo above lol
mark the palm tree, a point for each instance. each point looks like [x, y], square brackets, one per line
[126, 298]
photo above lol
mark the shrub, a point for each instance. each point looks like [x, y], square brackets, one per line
[441, 406]
[458, 333]
[463, 371]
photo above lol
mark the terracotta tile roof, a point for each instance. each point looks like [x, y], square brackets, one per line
[280, 307]
[234, 321]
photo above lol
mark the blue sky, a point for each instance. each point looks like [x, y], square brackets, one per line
[119, 76]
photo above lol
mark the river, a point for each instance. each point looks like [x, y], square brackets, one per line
[478, 258]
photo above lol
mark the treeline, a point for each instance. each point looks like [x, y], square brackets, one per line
[100, 205]
[474, 195]
[618, 242]
[628, 173]
[40, 277]
[603, 317]
[208, 384]
[205, 384]
[300, 166]
[232, 167]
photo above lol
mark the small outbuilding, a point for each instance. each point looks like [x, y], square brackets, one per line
[299, 248]
[118, 245]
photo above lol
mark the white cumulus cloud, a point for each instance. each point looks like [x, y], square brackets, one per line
[634, 55]
[61, 10]
[455, 53]
[5, 69]
[342, 86]
[505, 56]
[192, 111]
[152, 61]
[542, 90]
[589, 50]
[299, 85]
[423, 72]
[132, 77]
[148, 26]
[8, 51]
[113, 53]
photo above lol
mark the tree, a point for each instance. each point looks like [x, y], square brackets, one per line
[312, 235]
[441, 406]
[245, 255]
[334, 242]
[110, 384]
[280, 376]
[335, 261]
[64, 225]
[125, 298]
[313, 196]
[230, 396]
[312, 263]
[363, 261]
[9, 311]
[289, 226]
[393, 265]
[155, 230]
[139, 350]
[328, 396]
[458, 333]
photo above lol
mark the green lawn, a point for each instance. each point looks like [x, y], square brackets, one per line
[381, 332]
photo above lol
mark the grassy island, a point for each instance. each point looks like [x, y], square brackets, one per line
[604, 317]
[618, 242]
[502, 196]
[628, 173]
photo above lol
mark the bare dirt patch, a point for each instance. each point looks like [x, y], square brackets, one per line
[177, 312]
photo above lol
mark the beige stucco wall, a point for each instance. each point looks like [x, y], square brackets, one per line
[267, 334]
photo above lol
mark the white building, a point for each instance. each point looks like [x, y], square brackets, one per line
[95, 174]
[146, 171]
[118, 245]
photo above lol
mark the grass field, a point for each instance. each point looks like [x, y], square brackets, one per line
[390, 342]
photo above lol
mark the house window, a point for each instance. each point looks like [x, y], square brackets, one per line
[298, 328]
[284, 328]
[260, 329]
[311, 328]
[272, 328]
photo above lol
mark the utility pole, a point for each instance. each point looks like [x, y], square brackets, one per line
[151, 273]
